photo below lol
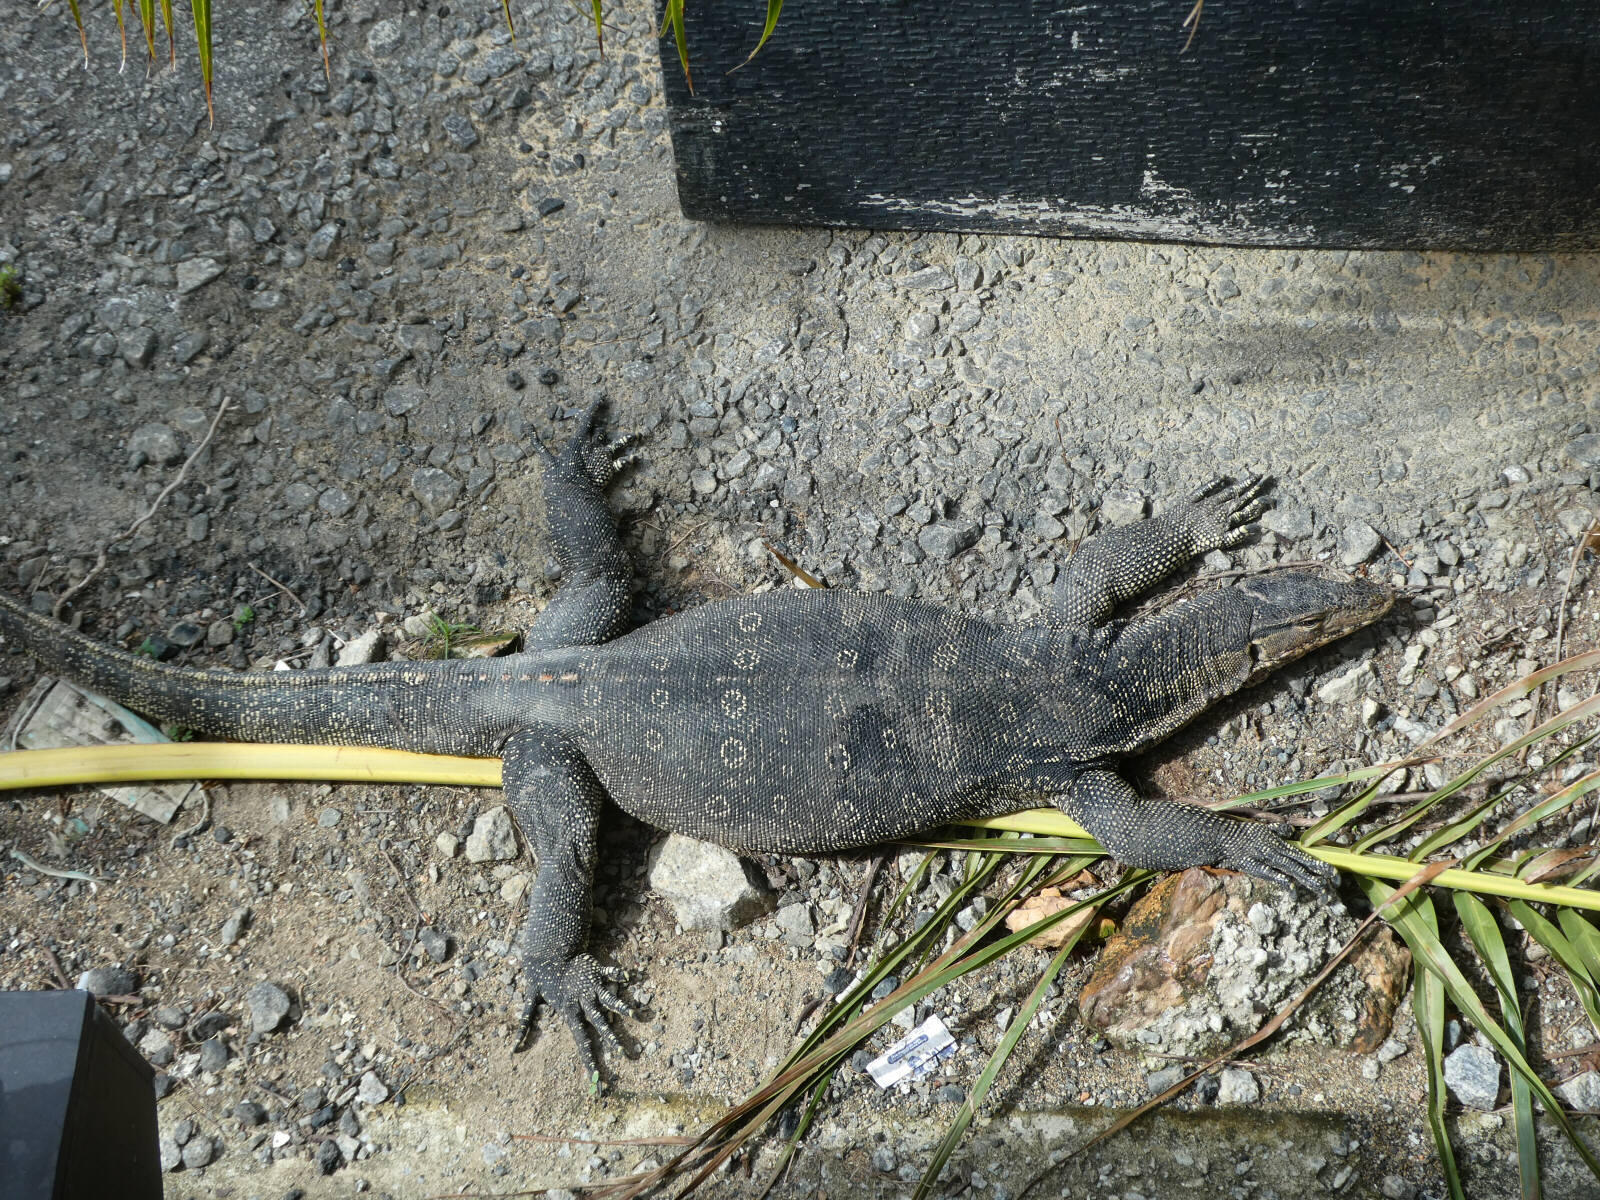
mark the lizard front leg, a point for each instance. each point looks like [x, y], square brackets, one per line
[1122, 563]
[592, 604]
[557, 802]
[1164, 835]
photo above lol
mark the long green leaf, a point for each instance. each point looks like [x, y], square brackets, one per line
[1427, 1001]
[774, 7]
[1585, 940]
[1349, 810]
[172, 36]
[83, 36]
[1430, 955]
[743, 1119]
[122, 29]
[1484, 932]
[1547, 729]
[674, 19]
[600, 26]
[202, 39]
[1541, 811]
[912, 883]
[1002, 1052]
[147, 21]
[322, 37]
[1470, 822]
[1560, 946]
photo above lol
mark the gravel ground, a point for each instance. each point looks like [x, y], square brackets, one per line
[398, 278]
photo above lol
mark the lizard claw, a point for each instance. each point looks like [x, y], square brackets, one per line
[576, 988]
[589, 453]
[1256, 850]
[1219, 514]
[599, 457]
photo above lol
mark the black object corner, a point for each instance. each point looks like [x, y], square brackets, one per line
[77, 1103]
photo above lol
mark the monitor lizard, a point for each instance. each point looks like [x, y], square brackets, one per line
[793, 721]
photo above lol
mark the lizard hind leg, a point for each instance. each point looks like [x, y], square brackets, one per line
[593, 601]
[557, 801]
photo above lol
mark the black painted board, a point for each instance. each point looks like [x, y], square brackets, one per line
[1470, 124]
[77, 1103]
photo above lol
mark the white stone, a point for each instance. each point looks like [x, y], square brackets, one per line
[709, 887]
[1238, 1087]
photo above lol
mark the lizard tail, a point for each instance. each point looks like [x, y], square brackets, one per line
[426, 706]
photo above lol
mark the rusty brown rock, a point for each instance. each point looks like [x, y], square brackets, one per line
[1204, 959]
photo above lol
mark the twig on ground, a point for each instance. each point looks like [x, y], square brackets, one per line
[1394, 551]
[281, 587]
[858, 918]
[34, 864]
[55, 967]
[205, 817]
[1561, 619]
[155, 505]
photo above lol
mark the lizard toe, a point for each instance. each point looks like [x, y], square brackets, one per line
[576, 989]
[1258, 851]
[573, 1016]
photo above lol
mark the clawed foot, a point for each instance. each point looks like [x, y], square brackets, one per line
[577, 989]
[1256, 850]
[593, 454]
[1220, 513]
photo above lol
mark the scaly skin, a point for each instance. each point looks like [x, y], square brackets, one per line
[793, 721]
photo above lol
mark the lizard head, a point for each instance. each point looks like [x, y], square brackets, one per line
[1293, 614]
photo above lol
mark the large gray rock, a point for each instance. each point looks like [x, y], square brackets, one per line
[268, 1004]
[944, 540]
[108, 981]
[1472, 1073]
[493, 837]
[709, 887]
[1238, 1086]
[1582, 1092]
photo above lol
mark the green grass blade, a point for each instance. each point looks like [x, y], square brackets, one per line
[1013, 1034]
[1587, 661]
[505, 6]
[1429, 953]
[919, 942]
[813, 1104]
[674, 18]
[600, 24]
[1561, 948]
[1427, 1001]
[172, 37]
[202, 40]
[122, 29]
[322, 37]
[912, 883]
[83, 36]
[147, 20]
[774, 7]
[1348, 811]
[1301, 787]
[1469, 824]
[1585, 940]
[1546, 808]
[1034, 845]
[1484, 932]
[1512, 691]
[1547, 729]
